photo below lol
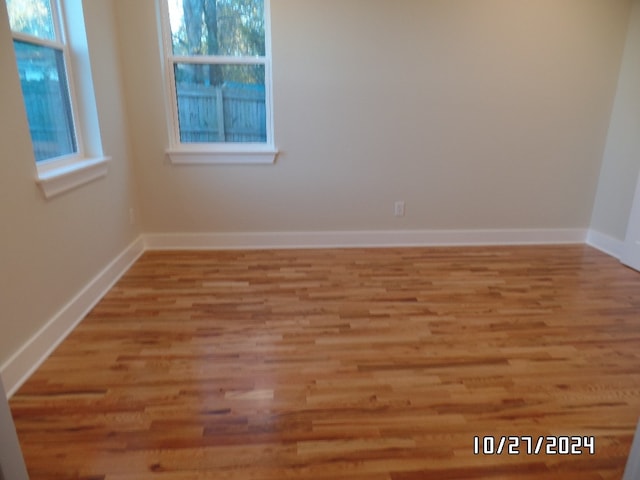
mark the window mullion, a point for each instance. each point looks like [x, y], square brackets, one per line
[33, 40]
[175, 132]
[217, 59]
[73, 102]
[56, 14]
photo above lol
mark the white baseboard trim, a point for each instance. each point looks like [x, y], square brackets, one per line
[605, 243]
[15, 371]
[345, 239]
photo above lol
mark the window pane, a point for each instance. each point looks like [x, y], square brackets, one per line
[46, 96]
[32, 17]
[217, 27]
[221, 103]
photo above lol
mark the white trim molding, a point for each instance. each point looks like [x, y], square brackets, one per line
[60, 179]
[240, 155]
[605, 243]
[343, 239]
[15, 371]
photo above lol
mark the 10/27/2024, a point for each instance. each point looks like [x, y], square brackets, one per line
[530, 445]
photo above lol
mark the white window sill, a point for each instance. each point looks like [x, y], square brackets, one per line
[55, 180]
[234, 155]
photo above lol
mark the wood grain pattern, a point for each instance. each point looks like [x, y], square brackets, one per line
[377, 364]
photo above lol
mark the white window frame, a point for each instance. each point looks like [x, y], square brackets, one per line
[215, 152]
[61, 174]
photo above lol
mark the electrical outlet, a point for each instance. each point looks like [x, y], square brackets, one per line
[399, 208]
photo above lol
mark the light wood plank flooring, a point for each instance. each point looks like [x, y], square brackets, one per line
[377, 364]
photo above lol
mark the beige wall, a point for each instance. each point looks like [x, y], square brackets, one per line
[621, 163]
[52, 248]
[478, 113]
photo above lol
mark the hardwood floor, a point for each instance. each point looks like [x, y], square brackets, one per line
[377, 364]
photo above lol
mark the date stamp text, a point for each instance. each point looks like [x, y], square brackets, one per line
[530, 445]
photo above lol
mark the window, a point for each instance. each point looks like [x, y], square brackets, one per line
[42, 64]
[42, 55]
[218, 71]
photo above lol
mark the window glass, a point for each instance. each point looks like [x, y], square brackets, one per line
[217, 27]
[46, 97]
[32, 17]
[221, 103]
